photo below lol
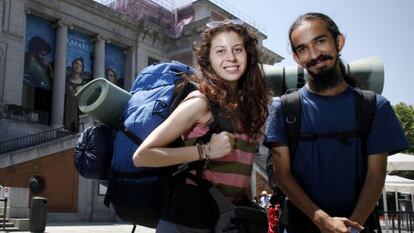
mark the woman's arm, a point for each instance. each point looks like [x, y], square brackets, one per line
[153, 152]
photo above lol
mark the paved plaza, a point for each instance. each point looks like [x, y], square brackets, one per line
[92, 228]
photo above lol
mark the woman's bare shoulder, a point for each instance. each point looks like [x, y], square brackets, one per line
[198, 103]
[197, 94]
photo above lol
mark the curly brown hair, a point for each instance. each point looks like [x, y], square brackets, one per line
[248, 105]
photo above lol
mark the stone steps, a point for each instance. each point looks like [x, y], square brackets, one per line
[14, 225]
[7, 226]
[10, 229]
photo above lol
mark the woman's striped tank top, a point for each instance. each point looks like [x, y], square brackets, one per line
[231, 173]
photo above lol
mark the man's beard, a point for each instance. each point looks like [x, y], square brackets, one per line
[326, 77]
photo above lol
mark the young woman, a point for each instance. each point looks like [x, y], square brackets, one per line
[230, 80]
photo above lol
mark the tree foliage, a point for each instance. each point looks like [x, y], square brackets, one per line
[405, 114]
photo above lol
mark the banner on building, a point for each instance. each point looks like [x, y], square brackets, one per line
[39, 52]
[115, 64]
[79, 61]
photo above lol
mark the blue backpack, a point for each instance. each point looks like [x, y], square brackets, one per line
[137, 193]
[153, 94]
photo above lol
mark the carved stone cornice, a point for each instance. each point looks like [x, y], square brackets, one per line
[62, 23]
[99, 37]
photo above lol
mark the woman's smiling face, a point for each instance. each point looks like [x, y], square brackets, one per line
[228, 56]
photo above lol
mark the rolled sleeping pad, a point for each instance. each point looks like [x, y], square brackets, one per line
[369, 73]
[103, 100]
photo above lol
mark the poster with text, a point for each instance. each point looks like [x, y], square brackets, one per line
[79, 61]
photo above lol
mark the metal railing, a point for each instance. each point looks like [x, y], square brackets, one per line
[15, 112]
[241, 15]
[3, 199]
[4, 211]
[176, 4]
[397, 221]
[32, 140]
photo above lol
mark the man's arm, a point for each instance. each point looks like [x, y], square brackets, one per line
[289, 186]
[372, 187]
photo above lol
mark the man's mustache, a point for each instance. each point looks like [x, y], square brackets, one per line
[321, 58]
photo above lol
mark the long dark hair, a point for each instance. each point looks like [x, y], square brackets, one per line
[333, 30]
[248, 105]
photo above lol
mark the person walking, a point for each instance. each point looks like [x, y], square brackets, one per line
[264, 199]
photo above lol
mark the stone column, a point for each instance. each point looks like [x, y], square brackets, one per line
[253, 181]
[59, 77]
[1, 56]
[1, 16]
[130, 67]
[99, 59]
[195, 32]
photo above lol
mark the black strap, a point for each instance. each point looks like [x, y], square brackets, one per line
[144, 173]
[313, 137]
[342, 136]
[292, 109]
[223, 203]
[218, 125]
[181, 92]
[365, 106]
[134, 138]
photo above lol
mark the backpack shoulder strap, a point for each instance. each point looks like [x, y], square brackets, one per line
[292, 109]
[181, 92]
[365, 105]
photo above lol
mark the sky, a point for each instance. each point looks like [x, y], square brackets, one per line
[383, 28]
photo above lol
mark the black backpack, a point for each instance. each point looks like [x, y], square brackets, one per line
[365, 106]
[93, 152]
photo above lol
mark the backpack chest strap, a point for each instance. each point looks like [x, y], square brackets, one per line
[316, 136]
[342, 136]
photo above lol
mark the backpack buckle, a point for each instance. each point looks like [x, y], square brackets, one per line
[160, 108]
[206, 162]
[290, 121]
[181, 168]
